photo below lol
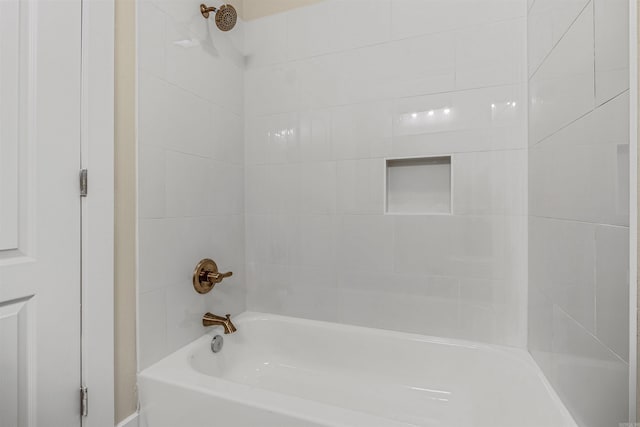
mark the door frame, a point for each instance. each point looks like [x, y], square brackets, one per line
[633, 205]
[97, 155]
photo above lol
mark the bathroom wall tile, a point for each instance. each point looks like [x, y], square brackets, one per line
[323, 81]
[264, 40]
[317, 187]
[314, 241]
[611, 48]
[490, 182]
[607, 124]
[195, 54]
[268, 286]
[273, 188]
[271, 90]
[591, 380]
[360, 186]
[157, 269]
[348, 94]
[224, 182]
[150, 33]
[272, 138]
[468, 140]
[152, 328]
[184, 308]
[548, 21]
[311, 303]
[307, 31]
[469, 247]
[361, 130]
[491, 55]
[562, 266]
[226, 136]
[365, 242]
[595, 190]
[612, 288]
[357, 23]
[479, 109]
[562, 89]
[191, 161]
[227, 236]
[152, 110]
[314, 136]
[417, 17]
[180, 12]
[151, 182]
[269, 238]
[540, 327]
[187, 180]
[187, 125]
[419, 65]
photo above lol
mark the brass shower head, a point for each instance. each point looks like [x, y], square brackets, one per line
[226, 16]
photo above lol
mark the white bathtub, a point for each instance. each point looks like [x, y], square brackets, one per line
[280, 371]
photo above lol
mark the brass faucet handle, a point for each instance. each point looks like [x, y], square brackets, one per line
[206, 276]
[217, 277]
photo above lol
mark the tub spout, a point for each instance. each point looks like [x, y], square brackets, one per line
[210, 319]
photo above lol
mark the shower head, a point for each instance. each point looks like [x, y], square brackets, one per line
[226, 16]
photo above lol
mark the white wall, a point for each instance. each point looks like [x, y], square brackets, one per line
[191, 172]
[334, 88]
[579, 203]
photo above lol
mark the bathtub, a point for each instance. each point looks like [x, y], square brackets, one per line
[286, 372]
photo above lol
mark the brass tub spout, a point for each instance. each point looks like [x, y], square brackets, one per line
[210, 319]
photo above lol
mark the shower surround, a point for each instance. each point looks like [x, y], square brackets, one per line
[331, 91]
[265, 148]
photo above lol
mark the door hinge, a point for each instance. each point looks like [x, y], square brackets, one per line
[84, 185]
[84, 401]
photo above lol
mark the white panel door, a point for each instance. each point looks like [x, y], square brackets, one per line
[40, 60]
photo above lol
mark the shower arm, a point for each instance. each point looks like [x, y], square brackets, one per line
[204, 10]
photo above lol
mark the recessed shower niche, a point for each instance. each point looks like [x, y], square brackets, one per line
[418, 185]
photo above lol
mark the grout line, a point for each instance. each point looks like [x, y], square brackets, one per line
[559, 40]
[546, 138]
[595, 338]
[595, 224]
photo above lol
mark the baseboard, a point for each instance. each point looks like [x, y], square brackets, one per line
[130, 421]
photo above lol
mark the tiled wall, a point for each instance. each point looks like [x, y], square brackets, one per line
[191, 171]
[579, 204]
[331, 91]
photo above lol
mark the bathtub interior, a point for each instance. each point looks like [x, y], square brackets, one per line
[404, 378]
